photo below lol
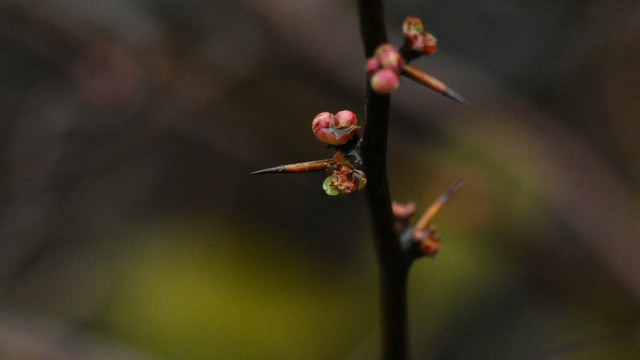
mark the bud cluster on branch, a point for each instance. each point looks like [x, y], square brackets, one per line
[340, 131]
[397, 242]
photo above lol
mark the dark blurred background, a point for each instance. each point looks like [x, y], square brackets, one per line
[131, 229]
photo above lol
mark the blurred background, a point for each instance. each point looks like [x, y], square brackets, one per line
[131, 229]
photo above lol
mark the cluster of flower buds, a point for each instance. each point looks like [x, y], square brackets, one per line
[384, 68]
[417, 42]
[343, 178]
[339, 130]
[402, 213]
[422, 236]
[387, 64]
[335, 129]
[427, 241]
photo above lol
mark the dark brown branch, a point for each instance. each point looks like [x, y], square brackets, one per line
[393, 264]
[372, 25]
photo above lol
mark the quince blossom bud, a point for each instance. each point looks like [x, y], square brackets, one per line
[344, 179]
[344, 119]
[372, 66]
[416, 39]
[401, 214]
[424, 42]
[390, 59]
[385, 81]
[335, 129]
[382, 48]
[321, 121]
[427, 240]
[385, 67]
[412, 24]
[387, 57]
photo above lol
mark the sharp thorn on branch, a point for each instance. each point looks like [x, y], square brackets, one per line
[272, 170]
[435, 207]
[433, 83]
[455, 96]
[308, 166]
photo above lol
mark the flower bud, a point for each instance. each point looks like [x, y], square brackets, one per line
[372, 66]
[430, 43]
[382, 48]
[321, 121]
[390, 59]
[344, 118]
[385, 67]
[412, 24]
[335, 129]
[384, 81]
[328, 188]
[344, 179]
[416, 39]
[427, 240]
[423, 42]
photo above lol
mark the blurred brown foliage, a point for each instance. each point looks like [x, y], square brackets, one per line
[129, 220]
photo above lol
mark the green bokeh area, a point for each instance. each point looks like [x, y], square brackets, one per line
[196, 290]
[202, 291]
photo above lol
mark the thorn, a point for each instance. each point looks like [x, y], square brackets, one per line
[435, 207]
[273, 170]
[455, 96]
[317, 165]
[431, 82]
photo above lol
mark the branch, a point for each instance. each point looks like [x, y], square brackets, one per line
[393, 264]
[362, 164]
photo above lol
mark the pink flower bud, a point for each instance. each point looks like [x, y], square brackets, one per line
[390, 59]
[335, 129]
[321, 121]
[382, 48]
[345, 118]
[388, 65]
[372, 66]
[384, 81]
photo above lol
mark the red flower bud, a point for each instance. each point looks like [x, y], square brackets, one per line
[428, 241]
[384, 81]
[416, 39]
[335, 129]
[372, 66]
[321, 121]
[423, 42]
[345, 118]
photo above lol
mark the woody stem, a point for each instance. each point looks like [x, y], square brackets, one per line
[393, 264]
